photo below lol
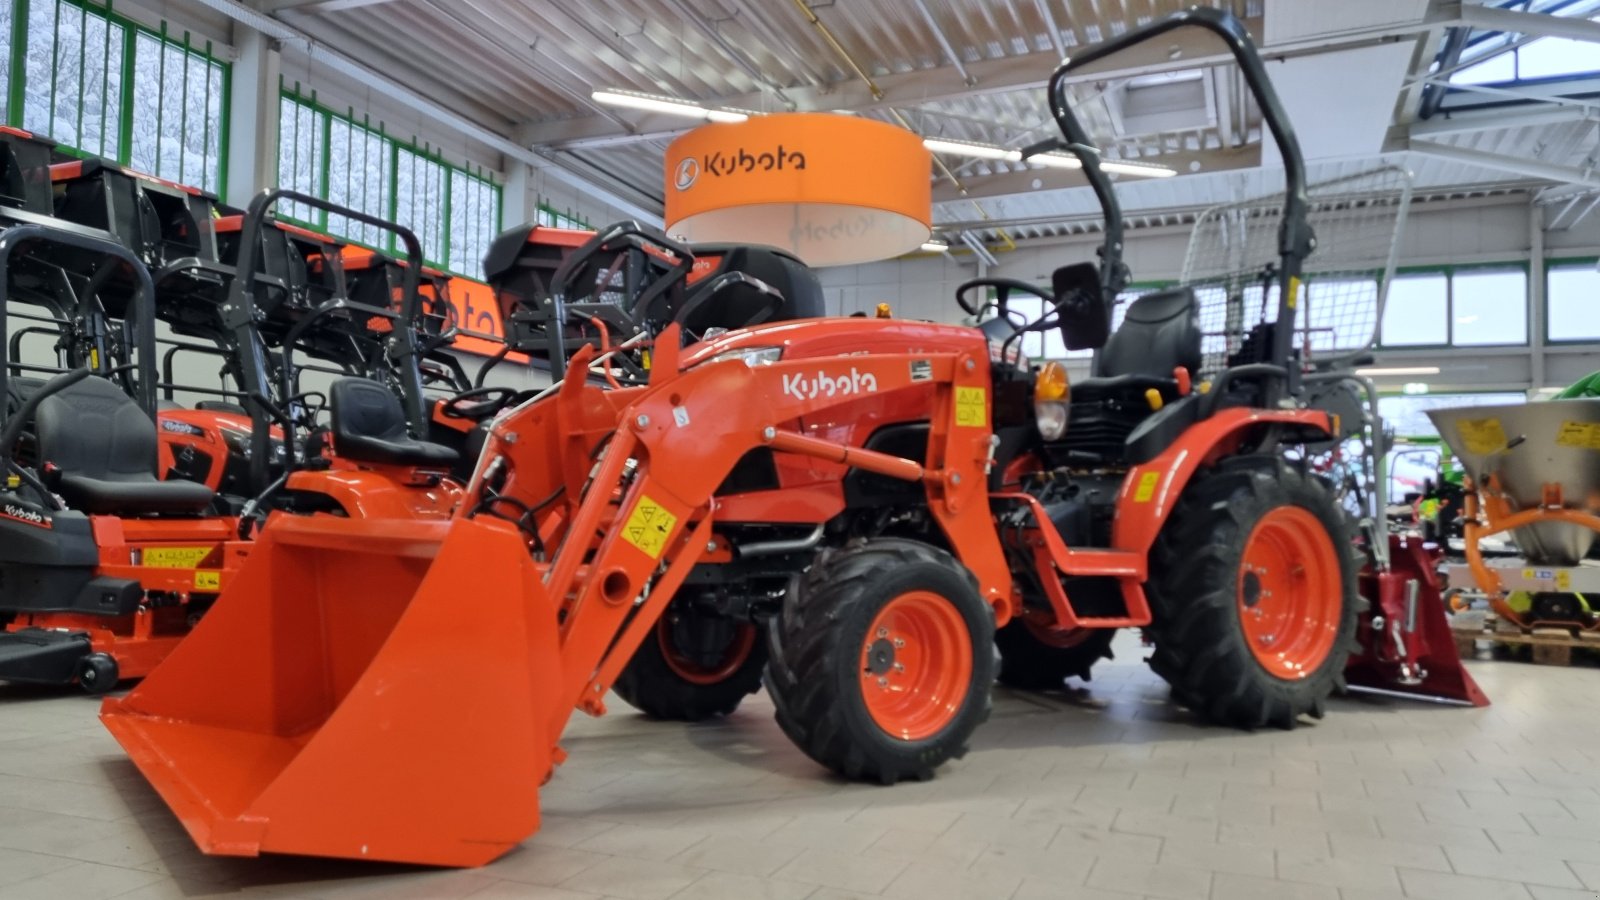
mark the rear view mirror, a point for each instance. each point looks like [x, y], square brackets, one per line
[1081, 306]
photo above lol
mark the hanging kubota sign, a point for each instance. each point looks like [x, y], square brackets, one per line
[833, 190]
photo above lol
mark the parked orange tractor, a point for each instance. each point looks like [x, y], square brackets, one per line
[882, 497]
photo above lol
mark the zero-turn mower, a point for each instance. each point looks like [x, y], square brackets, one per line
[869, 500]
[102, 566]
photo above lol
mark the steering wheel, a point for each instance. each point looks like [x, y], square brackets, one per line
[461, 407]
[1003, 287]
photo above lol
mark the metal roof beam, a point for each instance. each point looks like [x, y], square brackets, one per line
[1030, 72]
[1469, 122]
[1516, 164]
[318, 7]
[1032, 181]
[1494, 18]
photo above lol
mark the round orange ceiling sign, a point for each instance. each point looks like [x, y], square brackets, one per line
[833, 190]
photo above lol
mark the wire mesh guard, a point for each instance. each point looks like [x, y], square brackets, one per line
[1233, 254]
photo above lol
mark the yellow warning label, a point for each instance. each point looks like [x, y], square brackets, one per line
[649, 526]
[1147, 487]
[1563, 580]
[1294, 292]
[1585, 435]
[208, 581]
[174, 557]
[1482, 435]
[972, 407]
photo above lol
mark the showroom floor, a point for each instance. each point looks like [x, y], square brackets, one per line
[1106, 794]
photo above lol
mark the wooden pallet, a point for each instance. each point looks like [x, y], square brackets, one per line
[1550, 646]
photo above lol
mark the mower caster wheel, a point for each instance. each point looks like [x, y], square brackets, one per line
[1037, 659]
[98, 673]
[882, 660]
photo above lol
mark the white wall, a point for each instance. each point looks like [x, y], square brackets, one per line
[1461, 232]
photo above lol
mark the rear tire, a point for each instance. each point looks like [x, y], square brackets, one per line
[1254, 595]
[1031, 661]
[693, 666]
[882, 660]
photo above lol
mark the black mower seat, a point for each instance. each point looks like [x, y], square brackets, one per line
[369, 426]
[105, 448]
[1160, 334]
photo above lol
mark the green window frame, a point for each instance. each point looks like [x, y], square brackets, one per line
[101, 84]
[1450, 273]
[454, 211]
[549, 217]
[1589, 267]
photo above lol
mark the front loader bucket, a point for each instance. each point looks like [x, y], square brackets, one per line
[364, 689]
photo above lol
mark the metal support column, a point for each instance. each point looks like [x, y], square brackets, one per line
[253, 116]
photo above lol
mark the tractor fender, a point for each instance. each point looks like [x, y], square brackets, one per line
[1151, 489]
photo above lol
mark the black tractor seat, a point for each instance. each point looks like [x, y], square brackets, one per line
[1160, 334]
[369, 426]
[104, 448]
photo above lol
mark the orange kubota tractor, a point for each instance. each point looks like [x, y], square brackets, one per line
[880, 496]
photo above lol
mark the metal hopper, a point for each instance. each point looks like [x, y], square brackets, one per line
[1530, 454]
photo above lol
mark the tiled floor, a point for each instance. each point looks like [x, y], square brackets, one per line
[1104, 794]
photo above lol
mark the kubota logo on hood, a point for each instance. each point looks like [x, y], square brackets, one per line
[822, 384]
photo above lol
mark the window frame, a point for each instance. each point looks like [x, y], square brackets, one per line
[323, 117]
[1591, 262]
[16, 99]
[1449, 272]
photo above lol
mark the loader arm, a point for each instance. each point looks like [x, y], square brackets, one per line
[644, 518]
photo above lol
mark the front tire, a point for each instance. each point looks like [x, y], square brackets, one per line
[1254, 595]
[883, 660]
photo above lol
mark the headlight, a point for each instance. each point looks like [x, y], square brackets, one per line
[237, 441]
[1052, 398]
[752, 356]
[1051, 417]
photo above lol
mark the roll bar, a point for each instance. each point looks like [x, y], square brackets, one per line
[1295, 240]
[143, 303]
[240, 315]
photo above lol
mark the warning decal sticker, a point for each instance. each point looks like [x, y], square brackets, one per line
[972, 407]
[1147, 487]
[1579, 434]
[174, 557]
[1482, 435]
[649, 526]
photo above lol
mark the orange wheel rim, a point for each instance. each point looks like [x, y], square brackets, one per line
[694, 672]
[916, 665]
[1290, 596]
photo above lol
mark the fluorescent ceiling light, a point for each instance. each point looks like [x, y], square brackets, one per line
[1052, 160]
[1414, 388]
[1143, 170]
[968, 148]
[667, 105]
[1399, 370]
[935, 247]
[1055, 161]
